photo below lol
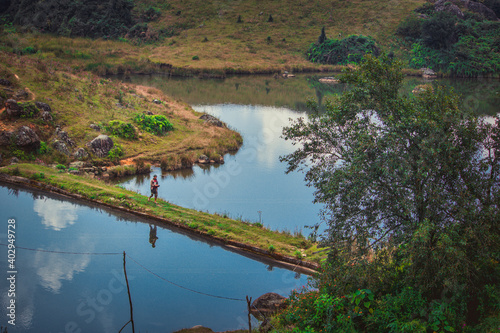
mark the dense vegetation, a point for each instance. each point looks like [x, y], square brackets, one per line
[411, 193]
[341, 51]
[92, 18]
[463, 45]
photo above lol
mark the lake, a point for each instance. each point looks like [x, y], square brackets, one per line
[69, 264]
[259, 107]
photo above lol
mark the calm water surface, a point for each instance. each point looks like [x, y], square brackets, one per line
[57, 291]
[252, 185]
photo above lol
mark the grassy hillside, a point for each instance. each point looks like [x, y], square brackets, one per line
[79, 100]
[220, 36]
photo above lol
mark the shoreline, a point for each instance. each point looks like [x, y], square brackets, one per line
[285, 261]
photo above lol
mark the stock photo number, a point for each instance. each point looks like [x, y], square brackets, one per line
[11, 271]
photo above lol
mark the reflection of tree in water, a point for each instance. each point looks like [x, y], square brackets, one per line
[182, 173]
[14, 192]
[323, 90]
[140, 179]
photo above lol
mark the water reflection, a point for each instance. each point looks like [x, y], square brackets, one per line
[481, 96]
[63, 284]
[153, 229]
[53, 268]
[55, 214]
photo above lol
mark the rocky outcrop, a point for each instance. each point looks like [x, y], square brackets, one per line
[43, 106]
[95, 127]
[61, 147]
[80, 154]
[481, 9]
[5, 138]
[209, 119]
[5, 82]
[101, 145]
[27, 138]
[47, 116]
[450, 7]
[62, 135]
[268, 303]
[428, 73]
[12, 109]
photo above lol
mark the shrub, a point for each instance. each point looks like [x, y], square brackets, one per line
[196, 57]
[43, 148]
[156, 124]
[61, 167]
[439, 30]
[410, 27]
[271, 249]
[28, 109]
[116, 152]
[121, 129]
[344, 51]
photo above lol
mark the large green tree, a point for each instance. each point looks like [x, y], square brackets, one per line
[410, 173]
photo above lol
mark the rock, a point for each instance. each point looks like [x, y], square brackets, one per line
[105, 176]
[12, 108]
[74, 172]
[77, 164]
[61, 147]
[65, 137]
[5, 82]
[21, 94]
[46, 116]
[43, 106]
[447, 6]
[481, 9]
[80, 154]
[101, 145]
[209, 119]
[422, 88]
[95, 127]
[196, 329]
[203, 159]
[14, 160]
[428, 73]
[149, 113]
[329, 79]
[27, 138]
[5, 138]
[156, 101]
[268, 303]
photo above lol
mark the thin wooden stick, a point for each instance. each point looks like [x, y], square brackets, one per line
[129, 297]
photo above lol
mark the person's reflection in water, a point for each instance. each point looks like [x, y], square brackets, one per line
[152, 235]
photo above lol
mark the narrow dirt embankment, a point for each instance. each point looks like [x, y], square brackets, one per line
[244, 238]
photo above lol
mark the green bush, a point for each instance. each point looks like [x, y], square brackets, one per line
[156, 124]
[116, 152]
[410, 27]
[75, 18]
[121, 129]
[439, 31]
[344, 51]
[44, 148]
[28, 109]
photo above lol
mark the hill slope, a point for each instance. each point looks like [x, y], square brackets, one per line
[219, 36]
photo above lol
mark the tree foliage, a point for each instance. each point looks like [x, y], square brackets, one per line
[91, 18]
[341, 51]
[465, 47]
[410, 186]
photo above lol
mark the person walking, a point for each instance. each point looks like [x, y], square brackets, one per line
[154, 188]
